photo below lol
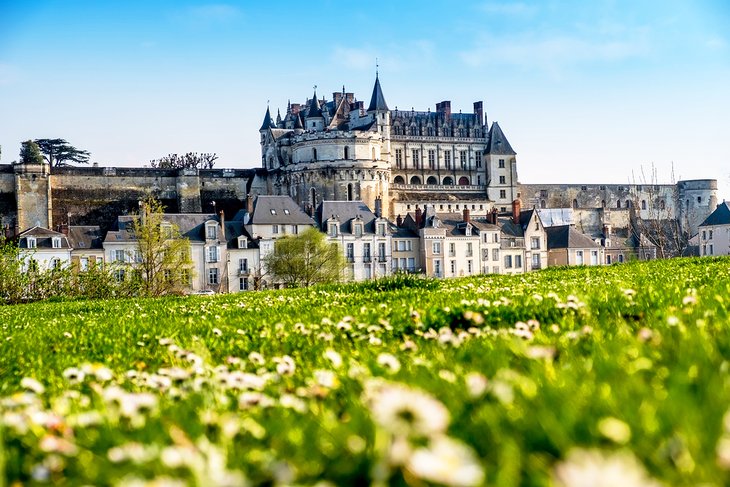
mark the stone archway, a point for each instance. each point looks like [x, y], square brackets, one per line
[415, 180]
[463, 181]
[432, 180]
[399, 180]
[449, 181]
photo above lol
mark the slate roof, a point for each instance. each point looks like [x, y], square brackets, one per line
[235, 229]
[377, 100]
[567, 237]
[345, 212]
[721, 215]
[44, 238]
[314, 108]
[86, 237]
[190, 226]
[268, 210]
[498, 143]
[268, 123]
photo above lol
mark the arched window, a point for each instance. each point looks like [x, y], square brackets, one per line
[603, 203]
[350, 196]
[314, 154]
[618, 204]
[432, 180]
[415, 180]
[627, 204]
[662, 205]
[464, 181]
[373, 153]
[347, 152]
[399, 180]
[643, 204]
[575, 203]
[448, 181]
[431, 131]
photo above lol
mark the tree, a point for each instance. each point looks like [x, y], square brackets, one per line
[305, 259]
[191, 160]
[58, 152]
[653, 217]
[163, 257]
[30, 153]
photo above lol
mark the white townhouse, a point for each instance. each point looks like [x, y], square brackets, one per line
[363, 236]
[714, 232]
[44, 249]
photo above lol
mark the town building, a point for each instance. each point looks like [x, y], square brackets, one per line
[567, 246]
[44, 249]
[714, 232]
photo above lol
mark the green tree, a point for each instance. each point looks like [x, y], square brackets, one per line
[305, 259]
[58, 152]
[191, 160]
[163, 255]
[30, 153]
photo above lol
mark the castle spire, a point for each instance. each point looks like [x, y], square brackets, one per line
[268, 123]
[314, 109]
[377, 101]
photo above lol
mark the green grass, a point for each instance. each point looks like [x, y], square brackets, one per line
[626, 363]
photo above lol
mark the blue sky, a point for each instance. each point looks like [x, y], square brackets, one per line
[585, 91]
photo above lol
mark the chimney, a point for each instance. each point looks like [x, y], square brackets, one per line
[445, 108]
[467, 216]
[223, 226]
[606, 230]
[479, 112]
[337, 97]
[516, 207]
[295, 107]
[64, 228]
[399, 221]
[249, 204]
[378, 207]
[419, 215]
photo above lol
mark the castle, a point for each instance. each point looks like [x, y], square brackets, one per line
[338, 149]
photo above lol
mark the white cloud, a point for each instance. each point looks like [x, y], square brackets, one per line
[552, 54]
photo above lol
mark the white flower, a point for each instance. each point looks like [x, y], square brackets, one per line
[446, 461]
[615, 430]
[389, 362]
[256, 358]
[594, 468]
[98, 371]
[333, 357]
[30, 384]
[402, 410]
[74, 375]
[476, 384]
[325, 378]
[291, 401]
[285, 365]
[217, 332]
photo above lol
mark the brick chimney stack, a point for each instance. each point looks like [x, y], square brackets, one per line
[467, 215]
[479, 111]
[516, 208]
[378, 207]
[399, 221]
[249, 204]
[419, 215]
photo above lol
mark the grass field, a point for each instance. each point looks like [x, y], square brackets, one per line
[567, 377]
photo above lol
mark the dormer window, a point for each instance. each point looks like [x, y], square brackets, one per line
[211, 231]
[31, 242]
[273, 211]
[332, 229]
[357, 229]
[381, 229]
[286, 211]
[467, 230]
[56, 242]
[242, 243]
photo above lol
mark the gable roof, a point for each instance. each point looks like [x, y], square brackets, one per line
[721, 215]
[498, 143]
[44, 238]
[87, 237]
[268, 210]
[345, 212]
[567, 237]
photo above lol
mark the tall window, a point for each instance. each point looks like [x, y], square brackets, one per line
[478, 156]
[381, 251]
[118, 256]
[431, 159]
[502, 180]
[242, 284]
[502, 193]
[399, 158]
[243, 265]
[578, 257]
[211, 232]
[415, 155]
[31, 242]
[213, 275]
[347, 152]
[437, 247]
[350, 252]
[447, 159]
[462, 156]
[501, 163]
[366, 252]
[56, 242]
[213, 253]
[535, 243]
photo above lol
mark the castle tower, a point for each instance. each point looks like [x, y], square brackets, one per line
[501, 168]
[33, 195]
[314, 120]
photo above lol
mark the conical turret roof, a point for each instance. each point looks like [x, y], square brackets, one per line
[298, 122]
[498, 143]
[377, 101]
[314, 109]
[268, 123]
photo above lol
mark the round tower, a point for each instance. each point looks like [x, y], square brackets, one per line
[697, 198]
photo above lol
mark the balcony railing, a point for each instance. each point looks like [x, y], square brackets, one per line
[439, 187]
[243, 272]
[367, 259]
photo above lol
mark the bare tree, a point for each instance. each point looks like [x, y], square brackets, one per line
[190, 160]
[655, 216]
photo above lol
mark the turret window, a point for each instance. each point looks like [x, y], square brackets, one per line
[347, 152]
[501, 163]
[314, 152]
